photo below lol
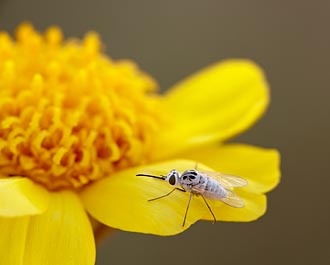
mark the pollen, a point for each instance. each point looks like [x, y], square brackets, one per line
[68, 113]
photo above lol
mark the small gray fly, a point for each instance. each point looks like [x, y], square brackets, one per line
[207, 184]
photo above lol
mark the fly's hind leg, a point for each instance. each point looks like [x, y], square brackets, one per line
[208, 206]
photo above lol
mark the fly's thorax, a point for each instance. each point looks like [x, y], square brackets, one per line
[190, 178]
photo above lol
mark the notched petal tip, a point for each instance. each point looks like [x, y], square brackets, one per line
[259, 166]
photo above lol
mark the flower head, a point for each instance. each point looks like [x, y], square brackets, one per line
[72, 116]
[76, 127]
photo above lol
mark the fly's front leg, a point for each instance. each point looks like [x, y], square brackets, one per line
[167, 194]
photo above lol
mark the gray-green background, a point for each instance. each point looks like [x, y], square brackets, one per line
[171, 39]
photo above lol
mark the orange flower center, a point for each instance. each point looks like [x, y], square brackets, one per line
[68, 114]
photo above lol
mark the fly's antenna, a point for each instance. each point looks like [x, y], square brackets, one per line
[151, 176]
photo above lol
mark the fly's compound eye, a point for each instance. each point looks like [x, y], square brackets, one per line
[172, 177]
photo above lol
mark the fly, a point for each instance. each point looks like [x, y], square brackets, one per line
[208, 185]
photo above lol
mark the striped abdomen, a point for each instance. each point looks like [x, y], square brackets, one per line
[210, 188]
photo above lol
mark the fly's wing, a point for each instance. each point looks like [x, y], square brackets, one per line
[227, 181]
[233, 200]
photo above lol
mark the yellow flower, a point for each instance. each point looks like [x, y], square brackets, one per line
[76, 127]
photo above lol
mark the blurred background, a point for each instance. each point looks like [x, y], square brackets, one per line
[172, 39]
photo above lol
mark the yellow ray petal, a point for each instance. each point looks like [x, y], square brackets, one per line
[214, 104]
[62, 235]
[20, 196]
[12, 240]
[255, 207]
[260, 166]
[121, 201]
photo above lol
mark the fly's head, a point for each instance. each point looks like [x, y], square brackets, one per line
[173, 177]
[190, 177]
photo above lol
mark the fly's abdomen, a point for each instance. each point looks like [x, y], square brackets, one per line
[211, 189]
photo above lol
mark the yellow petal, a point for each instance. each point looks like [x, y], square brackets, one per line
[214, 104]
[62, 235]
[20, 196]
[121, 201]
[260, 166]
[12, 240]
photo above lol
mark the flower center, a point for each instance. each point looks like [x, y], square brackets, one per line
[68, 114]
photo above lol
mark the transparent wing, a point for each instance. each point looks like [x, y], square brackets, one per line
[233, 200]
[227, 181]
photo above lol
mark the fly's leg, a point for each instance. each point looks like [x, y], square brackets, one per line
[167, 194]
[208, 206]
[196, 166]
[185, 215]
